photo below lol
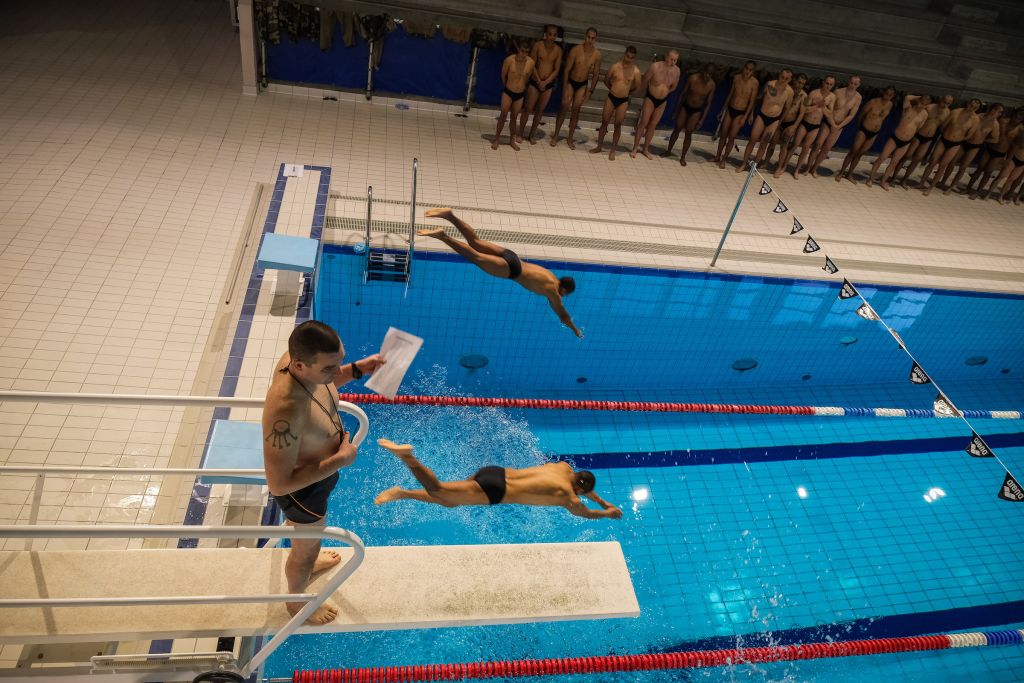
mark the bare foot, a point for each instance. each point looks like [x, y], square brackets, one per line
[779, 171]
[741, 169]
[611, 155]
[870, 182]
[848, 177]
[519, 138]
[554, 140]
[885, 185]
[513, 145]
[325, 560]
[721, 164]
[839, 176]
[532, 141]
[632, 154]
[495, 145]
[947, 190]
[665, 154]
[1002, 201]
[682, 161]
[927, 191]
[440, 212]
[647, 154]
[597, 150]
[399, 449]
[571, 143]
[796, 175]
[430, 232]
[388, 496]
[324, 614]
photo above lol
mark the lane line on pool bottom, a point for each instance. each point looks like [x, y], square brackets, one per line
[758, 454]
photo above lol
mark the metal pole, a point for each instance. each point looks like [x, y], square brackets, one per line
[750, 175]
[37, 498]
[369, 72]
[412, 222]
[369, 213]
[471, 78]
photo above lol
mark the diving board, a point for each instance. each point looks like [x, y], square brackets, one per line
[396, 587]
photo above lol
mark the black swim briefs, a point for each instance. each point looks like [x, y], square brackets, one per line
[515, 266]
[656, 101]
[576, 85]
[492, 480]
[536, 85]
[901, 143]
[768, 120]
[308, 505]
[516, 96]
[618, 101]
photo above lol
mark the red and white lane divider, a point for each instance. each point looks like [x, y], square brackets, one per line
[650, 662]
[664, 407]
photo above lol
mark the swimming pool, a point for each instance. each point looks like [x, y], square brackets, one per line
[765, 528]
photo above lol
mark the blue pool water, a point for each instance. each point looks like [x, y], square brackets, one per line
[754, 529]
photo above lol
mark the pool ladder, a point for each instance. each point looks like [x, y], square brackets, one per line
[387, 266]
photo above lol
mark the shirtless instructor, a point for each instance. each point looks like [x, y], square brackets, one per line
[582, 67]
[305, 444]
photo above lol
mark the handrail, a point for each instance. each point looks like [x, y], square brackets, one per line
[179, 531]
[160, 400]
[412, 223]
[369, 214]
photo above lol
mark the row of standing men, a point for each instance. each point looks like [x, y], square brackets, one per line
[781, 114]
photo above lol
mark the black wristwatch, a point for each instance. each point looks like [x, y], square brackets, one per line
[356, 372]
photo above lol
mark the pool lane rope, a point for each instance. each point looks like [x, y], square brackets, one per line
[663, 407]
[659, 661]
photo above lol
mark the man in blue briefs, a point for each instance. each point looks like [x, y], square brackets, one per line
[504, 263]
[554, 484]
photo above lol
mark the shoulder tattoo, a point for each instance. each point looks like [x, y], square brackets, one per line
[281, 435]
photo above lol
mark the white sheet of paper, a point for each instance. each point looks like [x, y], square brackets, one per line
[293, 170]
[399, 349]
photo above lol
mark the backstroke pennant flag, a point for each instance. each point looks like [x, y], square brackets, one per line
[810, 246]
[797, 227]
[1011, 490]
[765, 188]
[918, 375]
[780, 208]
[865, 311]
[830, 267]
[978, 448]
[848, 291]
[944, 407]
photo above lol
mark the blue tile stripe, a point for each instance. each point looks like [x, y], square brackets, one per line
[199, 500]
[734, 456]
[196, 511]
[583, 266]
[893, 626]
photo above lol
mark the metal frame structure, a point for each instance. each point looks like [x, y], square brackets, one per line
[185, 531]
[33, 531]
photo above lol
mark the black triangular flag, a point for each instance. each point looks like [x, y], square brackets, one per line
[796, 227]
[918, 375]
[780, 208]
[810, 246]
[944, 407]
[765, 188]
[830, 267]
[867, 312]
[848, 291]
[978, 448]
[1011, 490]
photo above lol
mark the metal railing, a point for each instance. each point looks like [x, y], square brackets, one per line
[412, 224]
[177, 531]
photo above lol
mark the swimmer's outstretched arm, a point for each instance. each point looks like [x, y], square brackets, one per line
[556, 305]
[577, 508]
